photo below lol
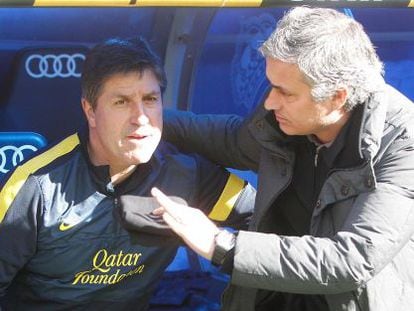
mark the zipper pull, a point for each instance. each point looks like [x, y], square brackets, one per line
[116, 201]
[317, 155]
[110, 188]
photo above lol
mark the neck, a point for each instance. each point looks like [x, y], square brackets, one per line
[331, 131]
[118, 173]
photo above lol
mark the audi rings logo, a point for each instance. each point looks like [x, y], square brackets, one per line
[54, 66]
[15, 154]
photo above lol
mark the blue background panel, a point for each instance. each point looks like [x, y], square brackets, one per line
[230, 76]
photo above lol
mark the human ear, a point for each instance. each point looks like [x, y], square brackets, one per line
[339, 98]
[89, 112]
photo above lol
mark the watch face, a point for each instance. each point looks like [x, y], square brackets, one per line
[225, 240]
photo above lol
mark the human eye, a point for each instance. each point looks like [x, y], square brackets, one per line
[283, 92]
[151, 99]
[290, 98]
[120, 102]
[288, 95]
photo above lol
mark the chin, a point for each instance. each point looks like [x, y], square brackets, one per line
[143, 157]
[139, 160]
[290, 131]
[142, 154]
[286, 130]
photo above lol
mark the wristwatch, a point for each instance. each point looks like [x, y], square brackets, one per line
[224, 242]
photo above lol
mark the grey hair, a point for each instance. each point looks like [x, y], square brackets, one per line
[331, 50]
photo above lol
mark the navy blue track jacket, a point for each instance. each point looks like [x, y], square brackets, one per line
[62, 244]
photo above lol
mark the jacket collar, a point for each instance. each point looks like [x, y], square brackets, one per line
[372, 124]
[267, 133]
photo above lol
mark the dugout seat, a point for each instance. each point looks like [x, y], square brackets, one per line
[44, 92]
[16, 147]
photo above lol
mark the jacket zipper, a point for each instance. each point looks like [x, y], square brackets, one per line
[116, 202]
[316, 158]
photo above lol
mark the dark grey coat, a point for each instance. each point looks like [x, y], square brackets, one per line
[360, 251]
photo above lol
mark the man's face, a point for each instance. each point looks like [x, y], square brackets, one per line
[293, 106]
[126, 124]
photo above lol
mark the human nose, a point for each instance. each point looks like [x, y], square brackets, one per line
[273, 101]
[139, 115]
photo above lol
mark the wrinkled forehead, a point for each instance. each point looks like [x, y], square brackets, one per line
[130, 82]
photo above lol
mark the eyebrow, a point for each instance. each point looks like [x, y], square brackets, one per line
[284, 90]
[281, 88]
[151, 93]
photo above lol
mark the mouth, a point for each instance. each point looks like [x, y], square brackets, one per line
[138, 137]
[280, 118]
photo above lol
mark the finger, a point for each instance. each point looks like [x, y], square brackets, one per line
[173, 223]
[158, 211]
[163, 200]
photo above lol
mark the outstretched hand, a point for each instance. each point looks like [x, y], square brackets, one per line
[189, 223]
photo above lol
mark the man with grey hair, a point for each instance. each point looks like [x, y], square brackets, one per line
[333, 146]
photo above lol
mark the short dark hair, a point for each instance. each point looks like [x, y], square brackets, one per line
[118, 56]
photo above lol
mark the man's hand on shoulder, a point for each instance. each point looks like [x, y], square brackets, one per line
[194, 227]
